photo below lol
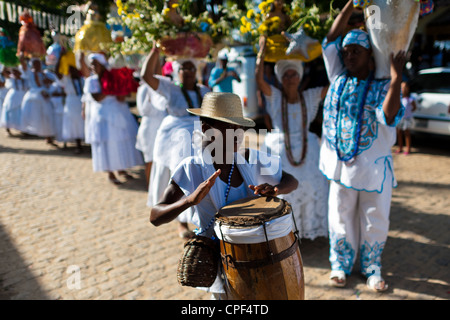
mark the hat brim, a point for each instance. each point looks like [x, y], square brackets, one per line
[244, 122]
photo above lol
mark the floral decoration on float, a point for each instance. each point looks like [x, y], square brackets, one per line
[180, 27]
[293, 31]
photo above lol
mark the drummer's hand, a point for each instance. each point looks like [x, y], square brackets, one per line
[203, 189]
[265, 189]
[397, 64]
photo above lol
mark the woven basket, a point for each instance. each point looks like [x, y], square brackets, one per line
[199, 262]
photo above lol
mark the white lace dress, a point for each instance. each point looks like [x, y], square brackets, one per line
[310, 200]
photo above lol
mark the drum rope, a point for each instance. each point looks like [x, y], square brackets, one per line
[296, 232]
[268, 243]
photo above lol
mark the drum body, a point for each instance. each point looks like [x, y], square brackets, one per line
[391, 25]
[260, 254]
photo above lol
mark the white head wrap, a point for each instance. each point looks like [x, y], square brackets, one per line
[284, 65]
[100, 59]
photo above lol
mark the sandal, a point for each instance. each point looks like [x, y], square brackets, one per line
[376, 283]
[337, 279]
[126, 175]
[115, 181]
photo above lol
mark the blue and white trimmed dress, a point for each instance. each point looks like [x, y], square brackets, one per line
[361, 188]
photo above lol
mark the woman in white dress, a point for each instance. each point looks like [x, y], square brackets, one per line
[152, 114]
[173, 139]
[110, 127]
[291, 113]
[73, 122]
[37, 111]
[10, 116]
[57, 94]
[4, 85]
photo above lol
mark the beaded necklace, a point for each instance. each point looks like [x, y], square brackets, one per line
[199, 231]
[358, 123]
[287, 137]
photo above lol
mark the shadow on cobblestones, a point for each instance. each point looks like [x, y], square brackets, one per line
[68, 152]
[16, 282]
[417, 254]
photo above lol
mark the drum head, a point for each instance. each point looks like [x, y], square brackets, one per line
[252, 211]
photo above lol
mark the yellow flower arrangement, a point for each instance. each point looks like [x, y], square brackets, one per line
[270, 19]
[258, 21]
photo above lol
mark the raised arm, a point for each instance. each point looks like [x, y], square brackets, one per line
[259, 74]
[149, 67]
[340, 23]
[392, 102]
[84, 68]
[175, 202]
[287, 184]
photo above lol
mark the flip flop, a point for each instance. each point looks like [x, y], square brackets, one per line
[126, 175]
[376, 283]
[115, 181]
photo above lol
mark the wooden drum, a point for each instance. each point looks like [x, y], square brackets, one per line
[260, 254]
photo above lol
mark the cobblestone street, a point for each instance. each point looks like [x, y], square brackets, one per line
[59, 220]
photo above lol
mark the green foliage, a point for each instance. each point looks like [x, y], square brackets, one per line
[149, 21]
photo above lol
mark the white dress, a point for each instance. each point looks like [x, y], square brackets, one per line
[309, 200]
[10, 115]
[58, 108]
[37, 116]
[3, 92]
[73, 123]
[152, 117]
[111, 130]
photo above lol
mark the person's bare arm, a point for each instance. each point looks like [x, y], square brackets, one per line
[149, 67]
[259, 75]
[287, 184]
[392, 102]
[340, 23]
[175, 202]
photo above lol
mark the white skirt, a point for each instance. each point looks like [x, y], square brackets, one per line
[58, 109]
[72, 123]
[10, 115]
[310, 200]
[112, 133]
[147, 134]
[37, 114]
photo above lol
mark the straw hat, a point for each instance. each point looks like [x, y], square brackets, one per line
[222, 106]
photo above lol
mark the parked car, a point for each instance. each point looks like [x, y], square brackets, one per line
[431, 88]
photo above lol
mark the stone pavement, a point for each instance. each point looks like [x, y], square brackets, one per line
[67, 233]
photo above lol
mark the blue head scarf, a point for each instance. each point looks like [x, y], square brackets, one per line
[357, 36]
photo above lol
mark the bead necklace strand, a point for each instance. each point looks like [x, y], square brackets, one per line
[199, 231]
[287, 137]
